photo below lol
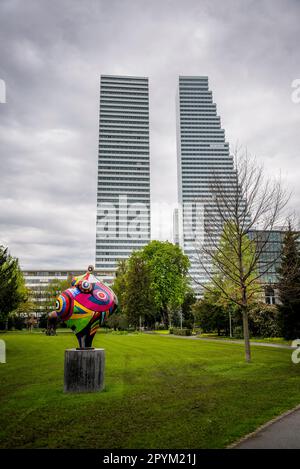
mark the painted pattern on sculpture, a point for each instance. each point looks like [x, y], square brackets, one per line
[85, 306]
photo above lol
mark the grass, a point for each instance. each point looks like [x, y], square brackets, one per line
[159, 393]
[269, 340]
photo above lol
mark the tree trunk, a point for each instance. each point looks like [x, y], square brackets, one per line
[246, 323]
[165, 317]
[246, 336]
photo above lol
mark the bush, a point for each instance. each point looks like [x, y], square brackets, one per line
[161, 327]
[177, 331]
[238, 332]
[117, 322]
[43, 321]
[263, 321]
[211, 317]
[187, 311]
[13, 322]
[19, 323]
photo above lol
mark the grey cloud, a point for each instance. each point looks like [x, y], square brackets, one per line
[52, 54]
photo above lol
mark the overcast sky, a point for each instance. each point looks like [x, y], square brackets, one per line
[51, 56]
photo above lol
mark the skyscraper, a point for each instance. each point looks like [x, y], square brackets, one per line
[202, 152]
[175, 227]
[123, 195]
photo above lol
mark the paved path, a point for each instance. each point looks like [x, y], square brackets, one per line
[238, 342]
[283, 433]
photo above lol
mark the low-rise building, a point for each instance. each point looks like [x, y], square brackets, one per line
[38, 282]
[270, 243]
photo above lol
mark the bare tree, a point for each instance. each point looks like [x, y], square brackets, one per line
[243, 209]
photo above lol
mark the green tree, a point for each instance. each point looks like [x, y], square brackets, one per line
[168, 268]
[24, 310]
[26, 307]
[117, 321]
[263, 321]
[53, 290]
[210, 316]
[119, 285]
[228, 264]
[12, 291]
[187, 309]
[138, 305]
[289, 286]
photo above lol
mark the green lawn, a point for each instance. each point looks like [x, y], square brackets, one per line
[160, 393]
[269, 340]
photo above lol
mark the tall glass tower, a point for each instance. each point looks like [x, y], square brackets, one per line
[123, 195]
[202, 153]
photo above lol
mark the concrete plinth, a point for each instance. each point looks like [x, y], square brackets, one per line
[84, 370]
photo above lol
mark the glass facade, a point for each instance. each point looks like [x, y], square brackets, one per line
[202, 154]
[123, 195]
[270, 245]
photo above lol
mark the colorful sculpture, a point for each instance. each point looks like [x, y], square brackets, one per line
[85, 306]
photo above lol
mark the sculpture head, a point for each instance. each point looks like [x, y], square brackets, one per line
[85, 306]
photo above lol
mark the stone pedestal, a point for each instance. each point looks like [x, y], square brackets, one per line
[84, 370]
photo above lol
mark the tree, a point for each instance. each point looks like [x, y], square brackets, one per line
[289, 286]
[264, 321]
[227, 256]
[53, 290]
[117, 322]
[239, 202]
[12, 291]
[119, 285]
[210, 315]
[187, 309]
[138, 303]
[168, 268]
[24, 310]
[26, 307]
